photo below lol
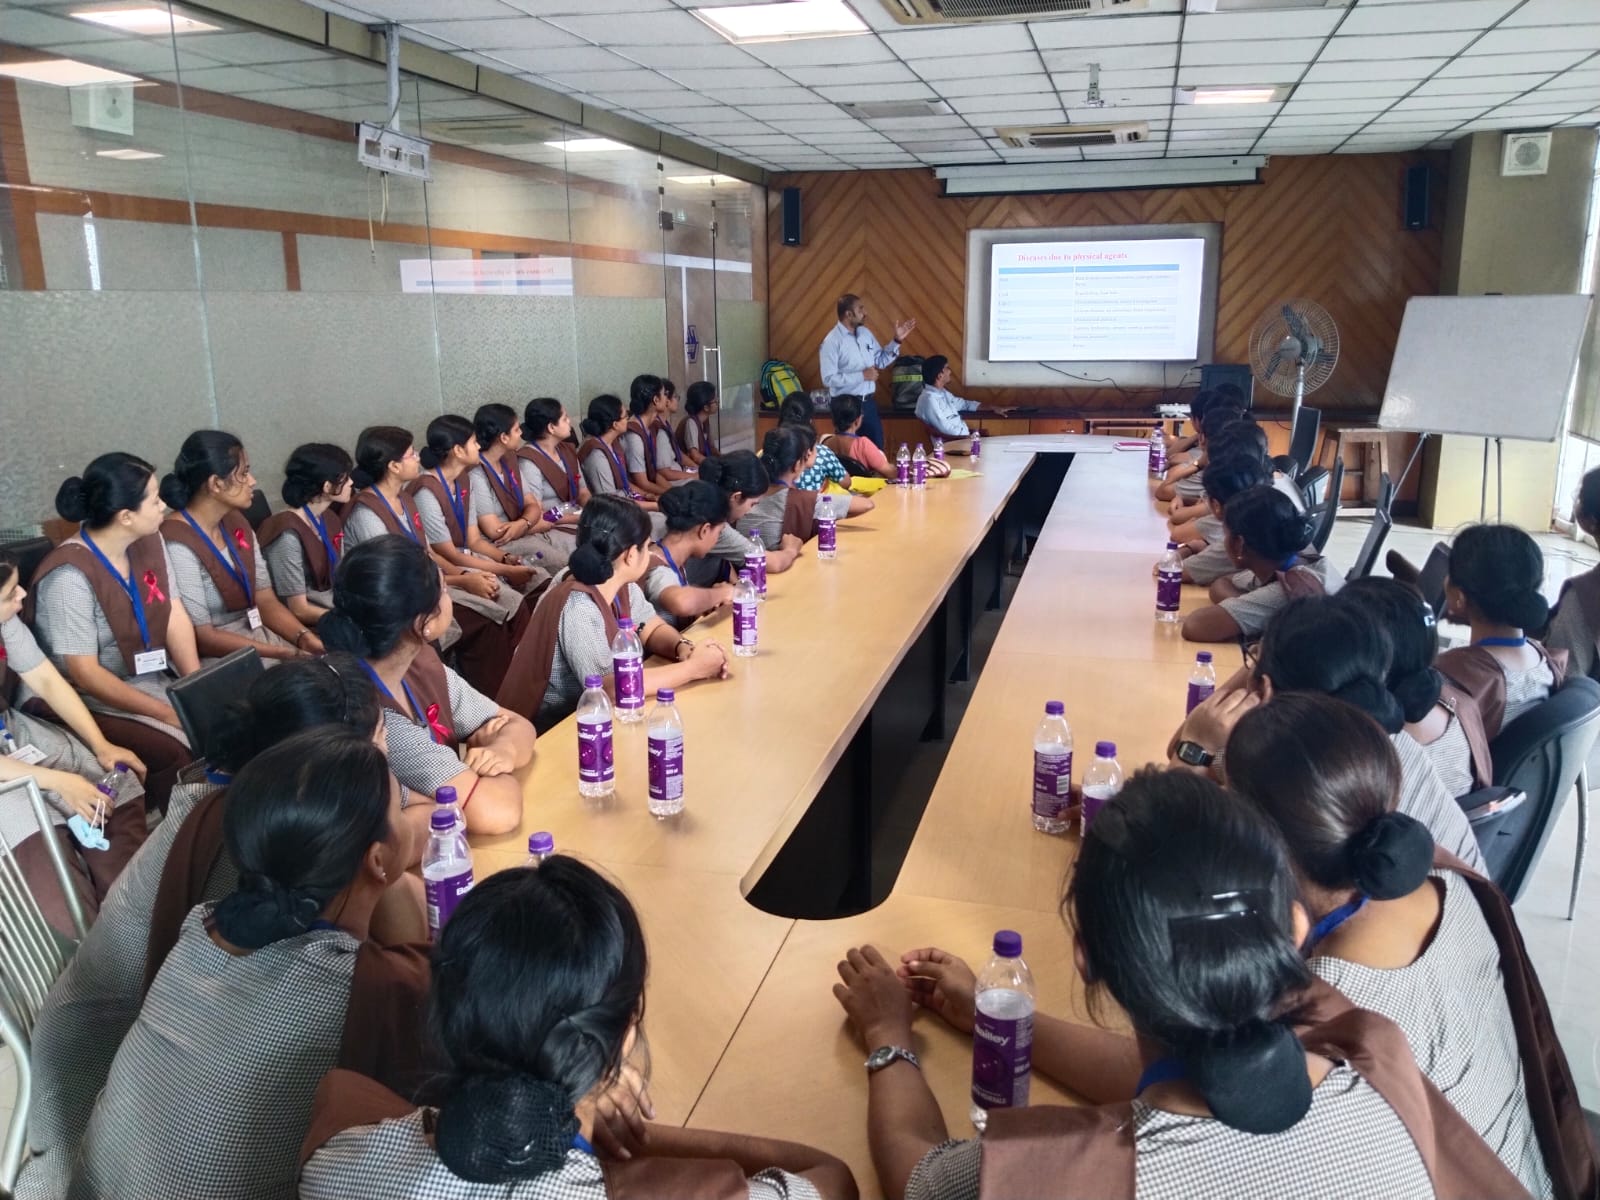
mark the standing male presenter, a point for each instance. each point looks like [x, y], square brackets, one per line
[851, 359]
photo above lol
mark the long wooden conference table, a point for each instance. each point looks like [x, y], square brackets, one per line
[783, 759]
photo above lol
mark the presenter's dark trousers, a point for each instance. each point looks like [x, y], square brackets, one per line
[871, 422]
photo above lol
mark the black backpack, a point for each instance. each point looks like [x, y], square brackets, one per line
[905, 377]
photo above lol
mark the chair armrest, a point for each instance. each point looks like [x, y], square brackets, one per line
[1490, 803]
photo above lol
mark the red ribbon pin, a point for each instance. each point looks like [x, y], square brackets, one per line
[152, 589]
[416, 520]
[441, 732]
[241, 540]
[338, 542]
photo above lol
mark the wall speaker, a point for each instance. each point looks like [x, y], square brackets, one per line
[1213, 375]
[791, 216]
[1419, 186]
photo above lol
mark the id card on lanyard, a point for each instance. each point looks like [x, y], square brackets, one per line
[26, 753]
[233, 564]
[147, 660]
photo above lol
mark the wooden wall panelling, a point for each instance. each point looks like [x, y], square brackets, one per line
[1326, 228]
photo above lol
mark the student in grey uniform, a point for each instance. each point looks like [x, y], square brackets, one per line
[542, 1039]
[744, 480]
[696, 513]
[1242, 1079]
[505, 496]
[214, 1100]
[1390, 931]
[1206, 559]
[219, 570]
[788, 508]
[549, 447]
[648, 472]
[303, 543]
[1575, 620]
[93, 1004]
[1270, 540]
[67, 757]
[105, 612]
[695, 435]
[604, 468]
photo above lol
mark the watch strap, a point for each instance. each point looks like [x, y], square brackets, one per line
[885, 1056]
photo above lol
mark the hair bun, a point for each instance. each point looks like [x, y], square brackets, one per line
[1253, 1078]
[1374, 699]
[337, 630]
[589, 566]
[263, 911]
[1417, 692]
[500, 1128]
[1391, 857]
[175, 493]
[1529, 610]
[70, 500]
[362, 477]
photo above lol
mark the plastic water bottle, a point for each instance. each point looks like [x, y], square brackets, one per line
[1169, 584]
[1202, 680]
[446, 866]
[902, 466]
[919, 467]
[445, 799]
[540, 847]
[938, 449]
[112, 783]
[1052, 770]
[1158, 451]
[977, 443]
[627, 668]
[745, 611]
[757, 563]
[1002, 1031]
[1101, 782]
[665, 736]
[597, 773]
[827, 528]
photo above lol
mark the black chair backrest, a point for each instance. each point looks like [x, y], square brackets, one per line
[259, 509]
[1328, 513]
[1368, 558]
[29, 553]
[201, 700]
[1430, 580]
[1539, 754]
[1313, 487]
[1303, 438]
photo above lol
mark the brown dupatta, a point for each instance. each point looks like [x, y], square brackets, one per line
[708, 446]
[242, 541]
[800, 514]
[1477, 673]
[510, 506]
[595, 446]
[319, 570]
[430, 483]
[430, 684]
[379, 507]
[563, 479]
[190, 861]
[528, 677]
[647, 438]
[1465, 710]
[147, 560]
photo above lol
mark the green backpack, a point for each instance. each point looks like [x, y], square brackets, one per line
[779, 381]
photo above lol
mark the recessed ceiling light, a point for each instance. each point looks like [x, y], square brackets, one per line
[144, 19]
[586, 145]
[701, 180]
[128, 154]
[1262, 94]
[63, 72]
[784, 21]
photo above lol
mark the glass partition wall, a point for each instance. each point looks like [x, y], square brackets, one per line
[188, 240]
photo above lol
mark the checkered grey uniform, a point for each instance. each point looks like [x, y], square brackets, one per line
[393, 1160]
[1525, 689]
[766, 518]
[597, 476]
[210, 1094]
[1424, 796]
[1451, 757]
[1253, 610]
[204, 603]
[1213, 562]
[419, 762]
[286, 563]
[1350, 1144]
[1451, 1004]
[582, 647]
[93, 1004]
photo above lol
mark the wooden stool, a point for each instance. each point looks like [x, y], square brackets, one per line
[1374, 445]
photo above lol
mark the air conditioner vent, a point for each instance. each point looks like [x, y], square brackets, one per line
[889, 110]
[945, 12]
[1067, 137]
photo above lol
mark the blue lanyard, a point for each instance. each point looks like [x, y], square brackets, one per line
[1504, 641]
[673, 563]
[579, 1142]
[512, 481]
[1289, 563]
[6, 739]
[232, 563]
[127, 585]
[1163, 1070]
[572, 477]
[1335, 919]
[322, 532]
[622, 468]
[457, 504]
[416, 709]
[410, 532]
[218, 778]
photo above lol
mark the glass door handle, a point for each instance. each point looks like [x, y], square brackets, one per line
[706, 353]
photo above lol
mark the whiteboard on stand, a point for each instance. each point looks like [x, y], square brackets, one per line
[1485, 366]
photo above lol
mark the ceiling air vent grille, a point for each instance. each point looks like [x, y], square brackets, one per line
[942, 12]
[1067, 137]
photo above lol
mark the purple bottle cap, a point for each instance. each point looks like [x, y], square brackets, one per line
[746, 574]
[445, 795]
[541, 843]
[594, 681]
[664, 696]
[1054, 708]
[124, 767]
[1172, 545]
[1105, 749]
[442, 819]
[1203, 656]
[1008, 944]
[624, 622]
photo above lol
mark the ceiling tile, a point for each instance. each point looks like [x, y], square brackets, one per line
[1111, 58]
[1133, 112]
[1544, 109]
[1552, 12]
[985, 155]
[1403, 45]
[422, 10]
[712, 82]
[642, 28]
[1362, 104]
[1425, 18]
[1237, 26]
[1345, 90]
[999, 85]
[717, 57]
[782, 112]
[1512, 64]
[822, 52]
[886, 72]
[1576, 95]
[1274, 73]
[1120, 97]
[604, 82]
[978, 66]
[966, 39]
[1206, 54]
[858, 93]
[1539, 38]
[496, 34]
[1470, 105]
[557, 8]
[1412, 69]
[1449, 86]
[572, 58]
[1121, 30]
[1008, 115]
[1119, 78]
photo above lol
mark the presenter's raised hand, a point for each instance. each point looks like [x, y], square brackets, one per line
[903, 329]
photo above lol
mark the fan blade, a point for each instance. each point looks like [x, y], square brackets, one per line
[1274, 362]
[1297, 327]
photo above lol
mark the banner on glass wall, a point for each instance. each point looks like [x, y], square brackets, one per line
[488, 276]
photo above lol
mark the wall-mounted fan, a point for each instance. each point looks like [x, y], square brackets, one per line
[1294, 350]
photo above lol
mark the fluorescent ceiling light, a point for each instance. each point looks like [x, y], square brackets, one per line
[127, 154]
[784, 21]
[1257, 94]
[586, 145]
[701, 180]
[981, 180]
[63, 72]
[144, 19]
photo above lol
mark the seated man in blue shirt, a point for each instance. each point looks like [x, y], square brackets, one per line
[941, 411]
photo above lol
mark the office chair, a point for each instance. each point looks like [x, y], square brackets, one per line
[201, 700]
[1382, 522]
[1328, 512]
[1303, 439]
[259, 509]
[29, 553]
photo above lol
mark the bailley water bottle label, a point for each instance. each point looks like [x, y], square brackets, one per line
[758, 574]
[1169, 590]
[629, 675]
[1158, 457]
[666, 767]
[827, 536]
[902, 473]
[744, 625]
[1002, 1060]
[938, 450]
[1093, 802]
[443, 895]
[1199, 693]
[919, 473]
[552, 515]
[977, 444]
[596, 763]
[1052, 784]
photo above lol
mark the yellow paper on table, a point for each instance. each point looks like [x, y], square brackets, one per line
[862, 485]
[962, 473]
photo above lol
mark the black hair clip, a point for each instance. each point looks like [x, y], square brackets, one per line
[1244, 903]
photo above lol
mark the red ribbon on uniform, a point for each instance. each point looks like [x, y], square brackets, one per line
[241, 539]
[152, 589]
[441, 732]
[416, 520]
[338, 542]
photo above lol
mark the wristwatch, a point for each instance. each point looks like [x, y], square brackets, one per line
[1195, 755]
[884, 1055]
[677, 650]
